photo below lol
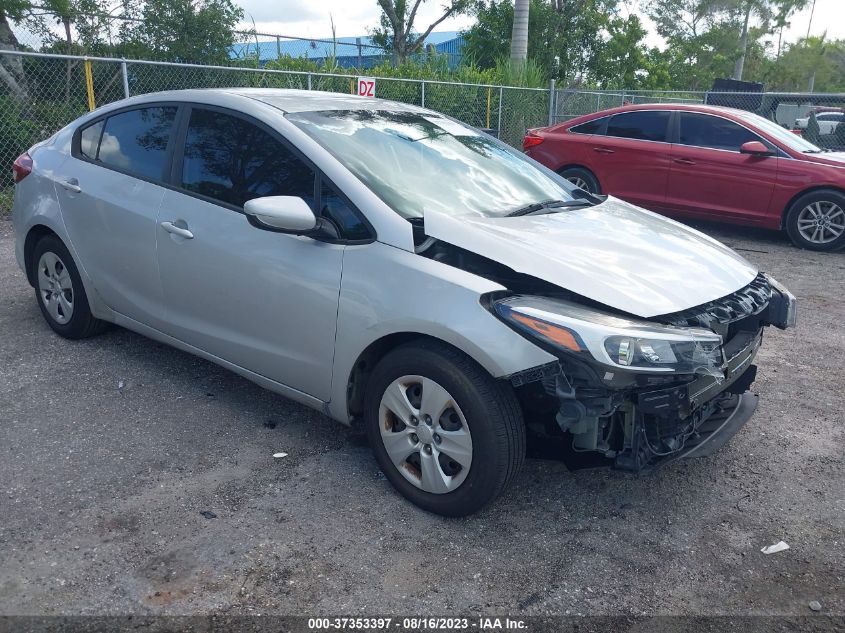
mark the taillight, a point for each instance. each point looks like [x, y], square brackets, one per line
[22, 167]
[532, 139]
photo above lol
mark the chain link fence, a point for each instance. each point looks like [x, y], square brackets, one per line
[41, 93]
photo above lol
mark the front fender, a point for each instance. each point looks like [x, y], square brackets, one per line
[386, 290]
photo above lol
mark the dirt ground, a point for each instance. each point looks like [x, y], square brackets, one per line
[138, 479]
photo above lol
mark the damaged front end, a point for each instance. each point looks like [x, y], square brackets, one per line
[637, 393]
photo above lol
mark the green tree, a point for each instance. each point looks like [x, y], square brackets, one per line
[583, 42]
[816, 57]
[396, 32]
[11, 67]
[195, 31]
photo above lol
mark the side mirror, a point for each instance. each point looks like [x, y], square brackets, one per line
[755, 148]
[286, 213]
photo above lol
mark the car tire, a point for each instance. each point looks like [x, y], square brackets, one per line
[816, 220]
[473, 445]
[59, 291]
[582, 178]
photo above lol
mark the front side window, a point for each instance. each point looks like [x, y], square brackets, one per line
[335, 207]
[135, 141]
[702, 130]
[418, 162]
[642, 125]
[231, 160]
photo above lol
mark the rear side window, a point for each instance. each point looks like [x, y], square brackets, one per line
[231, 160]
[641, 125]
[136, 141]
[590, 127]
[89, 140]
[702, 130]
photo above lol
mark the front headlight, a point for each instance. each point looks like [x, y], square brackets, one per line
[611, 340]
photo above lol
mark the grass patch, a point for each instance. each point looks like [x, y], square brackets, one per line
[7, 196]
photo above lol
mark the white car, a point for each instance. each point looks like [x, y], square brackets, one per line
[827, 121]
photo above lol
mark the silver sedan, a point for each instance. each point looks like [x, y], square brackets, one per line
[385, 263]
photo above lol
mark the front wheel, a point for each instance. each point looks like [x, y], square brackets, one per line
[447, 435]
[816, 221]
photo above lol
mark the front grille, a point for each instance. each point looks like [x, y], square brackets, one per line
[737, 311]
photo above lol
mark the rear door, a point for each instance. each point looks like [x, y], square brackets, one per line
[110, 190]
[263, 300]
[632, 159]
[710, 178]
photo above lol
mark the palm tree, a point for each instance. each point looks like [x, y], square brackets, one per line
[519, 35]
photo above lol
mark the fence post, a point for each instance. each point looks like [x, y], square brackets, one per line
[551, 101]
[309, 81]
[89, 84]
[125, 75]
[422, 94]
[358, 45]
[499, 123]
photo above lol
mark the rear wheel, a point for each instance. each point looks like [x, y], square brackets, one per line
[816, 221]
[582, 178]
[59, 291]
[446, 434]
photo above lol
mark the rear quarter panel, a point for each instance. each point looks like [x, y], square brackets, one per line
[36, 204]
[563, 149]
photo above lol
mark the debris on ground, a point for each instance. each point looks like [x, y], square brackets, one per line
[208, 514]
[270, 424]
[815, 605]
[280, 454]
[774, 549]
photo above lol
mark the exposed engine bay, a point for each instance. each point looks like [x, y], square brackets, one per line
[629, 419]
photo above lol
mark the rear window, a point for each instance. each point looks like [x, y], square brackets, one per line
[643, 125]
[590, 127]
[136, 141]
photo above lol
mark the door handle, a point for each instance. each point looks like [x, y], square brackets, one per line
[684, 161]
[71, 184]
[604, 150]
[177, 230]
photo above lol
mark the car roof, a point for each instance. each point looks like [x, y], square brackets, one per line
[685, 107]
[286, 100]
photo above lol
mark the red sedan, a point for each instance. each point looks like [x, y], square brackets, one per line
[704, 162]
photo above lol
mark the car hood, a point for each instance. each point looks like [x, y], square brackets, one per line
[613, 253]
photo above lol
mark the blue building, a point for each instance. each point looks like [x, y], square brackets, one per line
[350, 52]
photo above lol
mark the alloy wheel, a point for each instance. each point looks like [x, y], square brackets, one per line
[821, 222]
[425, 434]
[55, 287]
[579, 182]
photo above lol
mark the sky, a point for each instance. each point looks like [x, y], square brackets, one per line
[311, 18]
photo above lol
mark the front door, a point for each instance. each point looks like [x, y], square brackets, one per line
[710, 178]
[263, 300]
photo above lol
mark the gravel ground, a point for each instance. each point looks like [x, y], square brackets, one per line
[103, 490]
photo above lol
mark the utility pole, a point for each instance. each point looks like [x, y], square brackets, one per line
[812, 11]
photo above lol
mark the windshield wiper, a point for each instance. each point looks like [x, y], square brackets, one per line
[542, 207]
